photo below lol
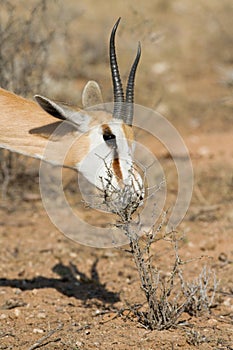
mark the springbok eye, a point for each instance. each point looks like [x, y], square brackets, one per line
[109, 138]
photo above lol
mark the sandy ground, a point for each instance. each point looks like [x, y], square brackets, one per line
[57, 294]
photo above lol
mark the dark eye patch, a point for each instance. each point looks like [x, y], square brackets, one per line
[109, 137]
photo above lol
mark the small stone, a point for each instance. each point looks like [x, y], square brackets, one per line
[212, 322]
[17, 312]
[78, 343]
[38, 330]
[17, 291]
[223, 257]
[228, 303]
[73, 255]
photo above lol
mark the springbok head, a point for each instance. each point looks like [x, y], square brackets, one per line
[103, 146]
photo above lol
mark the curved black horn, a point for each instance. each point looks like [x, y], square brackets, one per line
[129, 109]
[116, 79]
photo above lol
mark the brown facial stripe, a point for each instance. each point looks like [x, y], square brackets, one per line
[106, 129]
[116, 167]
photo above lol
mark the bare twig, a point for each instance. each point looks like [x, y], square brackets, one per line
[48, 335]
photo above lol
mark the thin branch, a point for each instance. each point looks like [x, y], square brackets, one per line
[40, 341]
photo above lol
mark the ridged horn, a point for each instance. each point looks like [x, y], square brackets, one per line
[129, 107]
[116, 79]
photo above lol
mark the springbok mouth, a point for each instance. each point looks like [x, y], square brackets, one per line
[124, 196]
[124, 202]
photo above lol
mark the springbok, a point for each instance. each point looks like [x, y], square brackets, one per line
[103, 141]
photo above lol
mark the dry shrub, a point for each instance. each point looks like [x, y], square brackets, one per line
[25, 42]
[167, 297]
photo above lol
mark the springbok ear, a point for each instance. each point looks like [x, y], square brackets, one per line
[50, 107]
[63, 112]
[91, 95]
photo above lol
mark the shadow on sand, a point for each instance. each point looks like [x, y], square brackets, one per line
[71, 282]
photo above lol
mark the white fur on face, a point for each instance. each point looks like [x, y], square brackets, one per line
[104, 157]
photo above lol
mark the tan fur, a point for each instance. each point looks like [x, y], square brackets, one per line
[25, 128]
[78, 151]
[128, 131]
[102, 117]
[17, 117]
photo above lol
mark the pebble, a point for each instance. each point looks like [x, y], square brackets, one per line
[17, 312]
[73, 255]
[212, 322]
[17, 291]
[228, 302]
[38, 330]
[78, 343]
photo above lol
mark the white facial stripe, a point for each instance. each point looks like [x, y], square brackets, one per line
[104, 156]
[124, 152]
